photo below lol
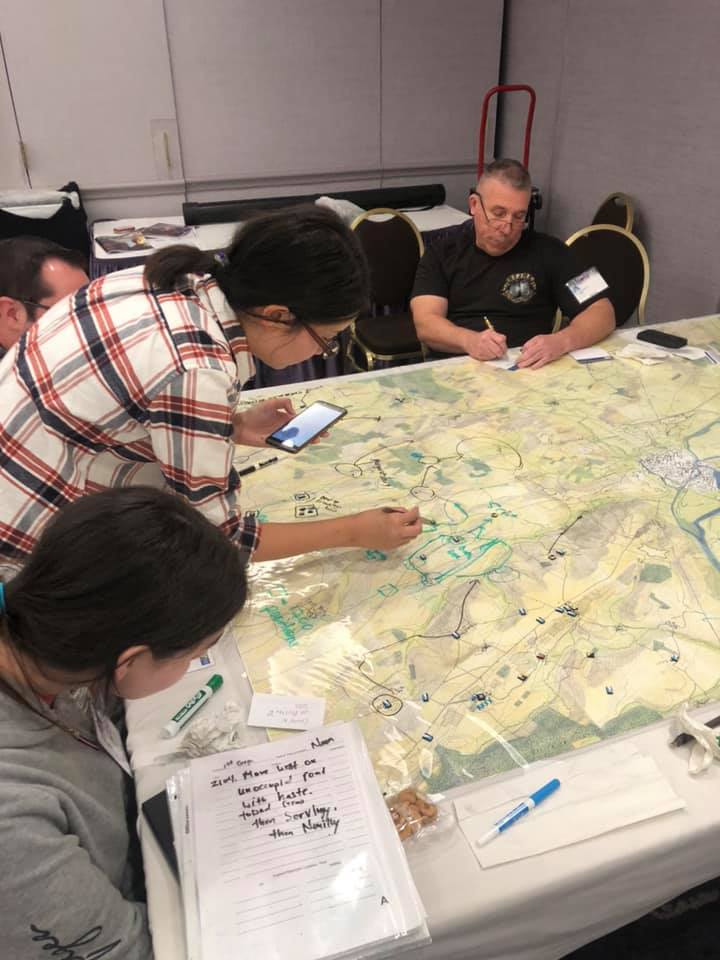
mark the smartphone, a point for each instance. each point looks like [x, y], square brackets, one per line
[298, 432]
[662, 339]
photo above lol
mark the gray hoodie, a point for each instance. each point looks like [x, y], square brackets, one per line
[65, 881]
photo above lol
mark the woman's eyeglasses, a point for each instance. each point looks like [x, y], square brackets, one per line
[330, 348]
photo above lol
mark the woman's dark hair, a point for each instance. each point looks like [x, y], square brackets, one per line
[304, 258]
[125, 567]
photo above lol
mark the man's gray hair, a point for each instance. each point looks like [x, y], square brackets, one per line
[511, 172]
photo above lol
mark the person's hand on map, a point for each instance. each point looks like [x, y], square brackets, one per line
[488, 345]
[541, 350]
[383, 529]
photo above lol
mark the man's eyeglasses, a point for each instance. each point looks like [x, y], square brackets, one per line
[34, 303]
[330, 348]
[517, 221]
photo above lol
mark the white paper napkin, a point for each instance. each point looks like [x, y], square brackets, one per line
[600, 791]
[644, 352]
[651, 353]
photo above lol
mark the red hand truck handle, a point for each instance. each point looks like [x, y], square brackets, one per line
[505, 88]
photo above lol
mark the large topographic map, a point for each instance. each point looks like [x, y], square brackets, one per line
[567, 589]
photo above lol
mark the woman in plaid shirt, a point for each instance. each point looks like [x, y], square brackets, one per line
[135, 379]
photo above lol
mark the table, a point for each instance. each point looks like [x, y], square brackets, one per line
[538, 909]
[217, 236]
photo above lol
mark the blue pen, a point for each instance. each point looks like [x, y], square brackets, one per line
[519, 811]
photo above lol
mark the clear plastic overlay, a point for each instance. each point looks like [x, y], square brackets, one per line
[544, 607]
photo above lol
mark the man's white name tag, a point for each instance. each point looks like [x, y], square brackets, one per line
[586, 284]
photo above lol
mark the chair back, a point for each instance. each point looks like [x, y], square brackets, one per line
[617, 209]
[393, 247]
[622, 260]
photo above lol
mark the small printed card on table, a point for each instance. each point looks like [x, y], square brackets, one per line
[590, 355]
[286, 713]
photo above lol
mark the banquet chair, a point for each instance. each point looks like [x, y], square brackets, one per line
[623, 262]
[617, 209]
[385, 336]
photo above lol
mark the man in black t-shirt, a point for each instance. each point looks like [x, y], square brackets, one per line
[493, 268]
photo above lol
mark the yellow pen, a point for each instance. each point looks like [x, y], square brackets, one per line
[488, 324]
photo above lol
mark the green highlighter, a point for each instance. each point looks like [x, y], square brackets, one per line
[195, 703]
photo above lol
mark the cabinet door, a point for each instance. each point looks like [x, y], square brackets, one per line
[12, 172]
[91, 80]
[275, 87]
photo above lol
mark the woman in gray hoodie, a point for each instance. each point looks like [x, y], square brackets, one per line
[122, 590]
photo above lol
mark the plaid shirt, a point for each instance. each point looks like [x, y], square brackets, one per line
[118, 385]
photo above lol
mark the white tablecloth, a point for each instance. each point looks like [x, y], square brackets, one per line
[215, 236]
[538, 909]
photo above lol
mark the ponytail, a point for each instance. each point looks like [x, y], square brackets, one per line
[304, 258]
[167, 269]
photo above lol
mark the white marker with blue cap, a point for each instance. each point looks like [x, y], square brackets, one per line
[519, 811]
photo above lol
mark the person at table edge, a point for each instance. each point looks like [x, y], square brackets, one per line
[34, 275]
[494, 267]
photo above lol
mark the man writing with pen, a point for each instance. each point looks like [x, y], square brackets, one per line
[493, 267]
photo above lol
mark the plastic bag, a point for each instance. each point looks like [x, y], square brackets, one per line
[706, 747]
[411, 812]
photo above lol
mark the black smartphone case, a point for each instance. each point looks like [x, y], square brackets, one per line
[157, 814]
[662, 339]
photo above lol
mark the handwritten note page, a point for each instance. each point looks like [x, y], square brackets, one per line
[285, 856]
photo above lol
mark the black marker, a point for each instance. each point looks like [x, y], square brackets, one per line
[257, 466]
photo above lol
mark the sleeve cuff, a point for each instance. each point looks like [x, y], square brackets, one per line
[247, 536]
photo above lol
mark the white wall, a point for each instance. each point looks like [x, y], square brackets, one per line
[245, 97]
[627, 100]
[276, 87]
[438, 61]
